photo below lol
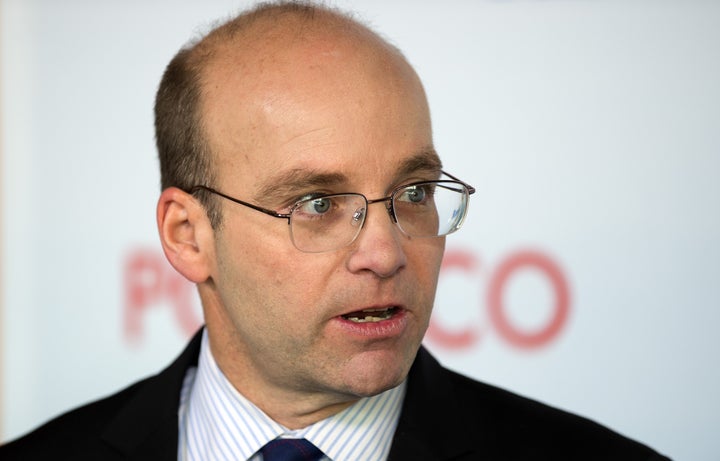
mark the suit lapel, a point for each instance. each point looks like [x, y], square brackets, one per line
[147, 425]
[432, 425]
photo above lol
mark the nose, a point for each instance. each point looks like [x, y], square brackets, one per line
[379, 246]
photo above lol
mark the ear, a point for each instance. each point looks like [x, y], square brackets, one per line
[186, 234]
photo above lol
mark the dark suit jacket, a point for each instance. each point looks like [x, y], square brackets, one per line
[445, 416]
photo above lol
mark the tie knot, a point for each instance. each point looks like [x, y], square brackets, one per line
[290, 450]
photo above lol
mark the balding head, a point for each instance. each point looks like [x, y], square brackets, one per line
[241, 64]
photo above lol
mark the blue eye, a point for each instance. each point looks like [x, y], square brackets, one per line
[414, 194]
[315, 206]
[320, 205]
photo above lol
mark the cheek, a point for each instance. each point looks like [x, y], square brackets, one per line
[303, 280]
[429, 268]
[241, 273]
[427, 257]
[256, 252]
[256, 279]
[271, 275]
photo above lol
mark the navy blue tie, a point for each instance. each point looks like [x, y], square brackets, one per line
[290, 450]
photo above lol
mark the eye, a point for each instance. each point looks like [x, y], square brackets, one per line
[414, 194]
[320, 205]
[314, 206]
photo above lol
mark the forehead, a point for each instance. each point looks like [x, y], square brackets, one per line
[326, 100]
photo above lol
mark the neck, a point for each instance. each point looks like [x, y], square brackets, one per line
[292, 407]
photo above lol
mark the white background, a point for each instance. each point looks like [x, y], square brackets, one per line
[590, 128]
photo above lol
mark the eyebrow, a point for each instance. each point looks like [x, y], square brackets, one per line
[426, 159]
[288, 183]
[291, 182]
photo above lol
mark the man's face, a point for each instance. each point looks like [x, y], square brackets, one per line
[314, 117]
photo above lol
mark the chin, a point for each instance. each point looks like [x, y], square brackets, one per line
[376, 372]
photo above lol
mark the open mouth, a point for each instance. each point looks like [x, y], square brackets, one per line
[371, 315]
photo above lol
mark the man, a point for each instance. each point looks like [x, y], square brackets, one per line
[303, 196]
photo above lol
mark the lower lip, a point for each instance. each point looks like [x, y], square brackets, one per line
[388, 328]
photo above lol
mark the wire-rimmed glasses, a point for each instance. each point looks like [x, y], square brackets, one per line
[331, 221]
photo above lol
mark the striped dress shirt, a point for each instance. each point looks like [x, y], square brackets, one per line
[217, 423]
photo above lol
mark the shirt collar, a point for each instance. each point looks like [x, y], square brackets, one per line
[216, 421]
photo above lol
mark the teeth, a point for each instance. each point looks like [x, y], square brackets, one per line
[367, 319]
[357, 317]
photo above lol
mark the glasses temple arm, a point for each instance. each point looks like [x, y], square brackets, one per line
[471, 189]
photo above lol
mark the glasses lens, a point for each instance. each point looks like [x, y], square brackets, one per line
[328, 222]
[431, 209]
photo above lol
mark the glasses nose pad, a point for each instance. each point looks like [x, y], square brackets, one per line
[358, 217]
